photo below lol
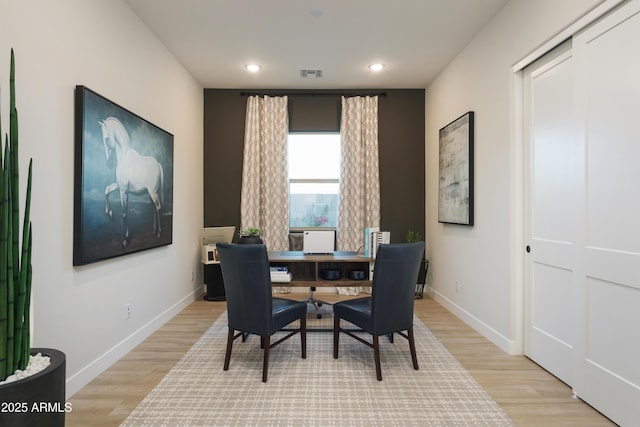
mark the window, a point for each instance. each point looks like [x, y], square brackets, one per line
[314, 177]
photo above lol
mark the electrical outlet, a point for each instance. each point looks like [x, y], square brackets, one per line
[129, 311]
[457, 286]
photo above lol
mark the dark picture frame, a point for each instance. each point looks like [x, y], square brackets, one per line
[123, 164]
[455, 189]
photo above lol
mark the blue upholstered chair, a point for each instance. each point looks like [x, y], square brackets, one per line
[389, 309]
[251, 309]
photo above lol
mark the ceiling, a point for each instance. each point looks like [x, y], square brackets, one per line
[415, 39]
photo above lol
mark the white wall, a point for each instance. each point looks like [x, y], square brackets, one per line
[101, 44]
[485, 258]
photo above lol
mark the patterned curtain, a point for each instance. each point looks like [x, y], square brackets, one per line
[265, 190]
[359, 177]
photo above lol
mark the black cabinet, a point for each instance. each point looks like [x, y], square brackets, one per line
[214, 282]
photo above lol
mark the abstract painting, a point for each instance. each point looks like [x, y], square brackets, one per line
[455, 192]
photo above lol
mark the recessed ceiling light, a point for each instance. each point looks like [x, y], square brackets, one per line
[253, 68]
[376, 67]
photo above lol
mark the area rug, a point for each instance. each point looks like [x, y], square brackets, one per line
[318, 390]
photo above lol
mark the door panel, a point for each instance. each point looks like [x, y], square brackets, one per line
[605, 333]
[550, 207]
[551, 295]
[608, 315]
[582, 280]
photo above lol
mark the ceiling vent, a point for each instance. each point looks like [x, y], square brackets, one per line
[310, 74]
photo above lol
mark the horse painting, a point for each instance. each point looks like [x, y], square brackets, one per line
[135, 174]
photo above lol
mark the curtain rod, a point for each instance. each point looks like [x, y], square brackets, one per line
[312, 94]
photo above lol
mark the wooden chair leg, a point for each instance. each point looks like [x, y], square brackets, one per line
[303, 336]
[376, 356]
[412, 347]
[265, 363]
[227, 356]
[336, 335]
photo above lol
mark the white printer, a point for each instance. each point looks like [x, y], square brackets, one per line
[210, 237]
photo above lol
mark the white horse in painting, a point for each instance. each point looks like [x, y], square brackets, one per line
[134, 173]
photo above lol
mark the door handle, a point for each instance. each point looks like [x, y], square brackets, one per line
[528, 248]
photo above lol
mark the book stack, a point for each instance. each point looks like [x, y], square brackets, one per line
[373, 238]
[280, 275]
[369, 240]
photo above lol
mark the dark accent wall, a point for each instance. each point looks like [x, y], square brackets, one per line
[401, 143]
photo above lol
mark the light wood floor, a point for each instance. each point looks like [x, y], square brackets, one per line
[528, 394]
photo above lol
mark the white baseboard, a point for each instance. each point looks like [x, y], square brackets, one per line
[505, 344]
[99, 365]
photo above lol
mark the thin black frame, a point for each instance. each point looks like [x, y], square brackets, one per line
[455, 180]
[97, 235]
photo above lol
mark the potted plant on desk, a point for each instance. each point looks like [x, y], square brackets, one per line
[250, 235]
[28, 397]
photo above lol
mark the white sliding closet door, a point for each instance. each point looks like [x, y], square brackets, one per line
[582, 213]
[608, 106]
[550, 206]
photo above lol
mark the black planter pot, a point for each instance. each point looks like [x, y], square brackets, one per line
[38, 400]
[250, 240]
[422, 278]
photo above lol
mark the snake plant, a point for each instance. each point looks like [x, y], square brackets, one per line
[15, 264]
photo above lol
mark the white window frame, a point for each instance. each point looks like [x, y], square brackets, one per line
[312, 181]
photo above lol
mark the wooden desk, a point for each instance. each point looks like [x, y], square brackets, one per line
[305, 269]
